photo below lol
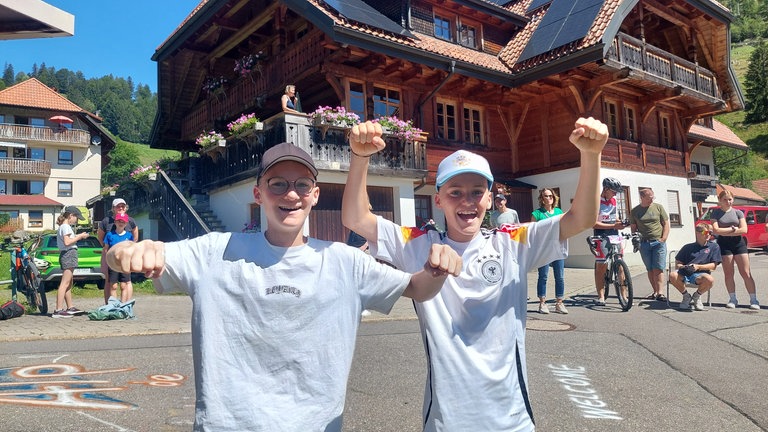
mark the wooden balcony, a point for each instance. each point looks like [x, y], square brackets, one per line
[16, 132]
[634, 156]
[633, 53]
[329, 148]
[25, 167]
[243, 93]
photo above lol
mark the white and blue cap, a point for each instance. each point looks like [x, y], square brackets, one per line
[463, 162]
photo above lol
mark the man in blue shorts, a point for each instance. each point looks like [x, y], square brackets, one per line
[693, 264]
[650, 219]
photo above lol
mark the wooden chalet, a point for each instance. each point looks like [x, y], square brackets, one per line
[505, 79]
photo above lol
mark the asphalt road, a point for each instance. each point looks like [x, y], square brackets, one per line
[596, 369]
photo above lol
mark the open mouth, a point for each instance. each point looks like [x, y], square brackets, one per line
[467, 216]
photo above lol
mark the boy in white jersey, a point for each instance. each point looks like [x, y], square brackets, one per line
[474, 329]
[276, 313]
[607, 224]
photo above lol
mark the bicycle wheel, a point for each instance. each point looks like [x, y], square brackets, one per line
[622, 281]
[36, 291]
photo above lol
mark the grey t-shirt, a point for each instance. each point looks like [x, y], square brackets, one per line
[273, 329]
[727, 219]
[509, 216]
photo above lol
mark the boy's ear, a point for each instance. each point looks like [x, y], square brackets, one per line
[316, 196]
[437, 201]
[257, 194]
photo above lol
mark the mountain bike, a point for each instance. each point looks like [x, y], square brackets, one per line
[33, 290]
[617, 272]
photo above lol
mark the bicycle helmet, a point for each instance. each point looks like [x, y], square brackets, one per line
[612, 184]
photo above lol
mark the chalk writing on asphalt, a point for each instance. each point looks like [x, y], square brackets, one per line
[582, 393]
[60, 385]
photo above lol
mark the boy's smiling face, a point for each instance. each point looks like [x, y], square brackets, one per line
[286, 212]
[464, 199]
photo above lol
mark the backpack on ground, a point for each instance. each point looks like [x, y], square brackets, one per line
[11, 309]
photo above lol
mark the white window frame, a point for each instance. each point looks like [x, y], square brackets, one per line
[444, 103]
[473, 129]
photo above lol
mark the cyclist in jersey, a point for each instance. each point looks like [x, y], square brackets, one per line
[608, 223]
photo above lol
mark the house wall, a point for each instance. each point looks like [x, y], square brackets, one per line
[85, 174]
[566, 180]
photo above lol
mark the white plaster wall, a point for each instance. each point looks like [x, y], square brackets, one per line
[566, 180]
[84, 173]
[232, 205]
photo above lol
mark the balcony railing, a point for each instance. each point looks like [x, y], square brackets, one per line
[31, 167]
[328, 147]
[650, 59]
[645, 158]
[244, 91]
[43, 133]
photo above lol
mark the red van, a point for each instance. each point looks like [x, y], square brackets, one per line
[756, 216]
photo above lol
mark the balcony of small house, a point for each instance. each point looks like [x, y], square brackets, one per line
[60, 135]
[662, 67]
[27, 168]
[327, 144]
[246, 91]
[642, 157]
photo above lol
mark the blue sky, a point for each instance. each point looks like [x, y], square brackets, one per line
[111, 37]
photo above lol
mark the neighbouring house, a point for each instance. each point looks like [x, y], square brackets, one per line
[51, 154]
[31, 19]
[741, 196]
[505, 79]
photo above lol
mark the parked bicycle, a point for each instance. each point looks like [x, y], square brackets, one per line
[617, 273]
[32, 290]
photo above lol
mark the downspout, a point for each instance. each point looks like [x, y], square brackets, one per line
[451, 71]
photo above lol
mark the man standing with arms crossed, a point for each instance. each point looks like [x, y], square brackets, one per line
[650, 219]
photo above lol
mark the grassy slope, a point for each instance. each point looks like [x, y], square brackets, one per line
[735, 120]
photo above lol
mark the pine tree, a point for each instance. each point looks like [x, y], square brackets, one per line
[756, 84]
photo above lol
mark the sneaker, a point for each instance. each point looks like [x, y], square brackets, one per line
[600, 302]
[61, 314]
[755, 306]
[365, 313]
[732, 304]
[543, 308]
[685, 304]
[74, 311]
[697, 304]
[560, 308]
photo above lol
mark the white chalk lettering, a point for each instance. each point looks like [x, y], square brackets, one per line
[581, 393]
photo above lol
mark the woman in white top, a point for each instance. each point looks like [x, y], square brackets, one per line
[66, 240]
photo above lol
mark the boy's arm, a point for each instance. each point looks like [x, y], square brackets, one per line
[442, 262]
[364, 140]
[589, 136]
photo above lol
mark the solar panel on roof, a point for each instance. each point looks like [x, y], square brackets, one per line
[499, 2]
[565, 21]
[537, 4]
[357, 10]
[578, 23]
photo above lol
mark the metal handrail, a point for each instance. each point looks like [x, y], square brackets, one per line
[175, 210]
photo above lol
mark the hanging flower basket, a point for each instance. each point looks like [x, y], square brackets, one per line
[245, 125]
[337, 117]
[249, 65]
[402, 129]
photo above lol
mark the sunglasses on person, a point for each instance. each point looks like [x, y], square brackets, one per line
[280, 186]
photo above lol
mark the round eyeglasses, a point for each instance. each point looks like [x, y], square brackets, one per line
[279, 185]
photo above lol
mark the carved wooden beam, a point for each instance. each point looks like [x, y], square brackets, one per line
[610, 79]
[411, 72]
[703, 111]
[249, 28]
[372, 63]
[392, 68]
[336, 85]
[667, 13]
[578, 97]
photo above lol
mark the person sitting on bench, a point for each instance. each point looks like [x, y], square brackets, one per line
[693, 265]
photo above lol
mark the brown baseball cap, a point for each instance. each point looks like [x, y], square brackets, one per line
[286, 152]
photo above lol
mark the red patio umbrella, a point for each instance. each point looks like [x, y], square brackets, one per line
[60, 119]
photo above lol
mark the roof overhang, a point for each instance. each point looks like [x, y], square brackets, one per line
[30, 19]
